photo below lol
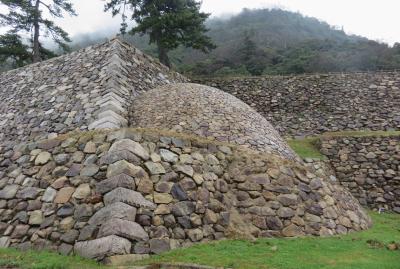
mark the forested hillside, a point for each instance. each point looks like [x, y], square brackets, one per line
[271, 41]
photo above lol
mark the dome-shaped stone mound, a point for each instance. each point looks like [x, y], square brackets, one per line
[207, 112]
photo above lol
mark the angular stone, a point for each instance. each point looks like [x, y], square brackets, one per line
[132, 146]
[183, 208]
[36, 217]
[82, 192]
[9, 192]
[195, 235]
[29, 193]
[49, 195]
[129, 197]
[87, 233]
[116, 210]
[145, 186]
[274, 223]
[185, 169]
[285, 212]
[74, 170]
[122, 180]
[90, 148]
[162, 198]
[20, 231]
[64, 195]
[5, 242]
[292, 231]
[155, 168]
[66, 224]
[70, 236]
[43, 158]
[89, 170]
[159, 246]
[123, 167]
[127, 229]
[287, 199]
[103, 247]
[178, 193]
[66, 210]
[168, 156]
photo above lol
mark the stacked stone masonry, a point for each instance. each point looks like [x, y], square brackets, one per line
[92, 88]
[102, 193]
[207, 112]
[369, 167]
[312, 104]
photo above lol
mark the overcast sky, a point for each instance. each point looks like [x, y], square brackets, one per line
[375, 19]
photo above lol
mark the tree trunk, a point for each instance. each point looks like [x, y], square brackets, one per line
[163, 55]
[36, 45]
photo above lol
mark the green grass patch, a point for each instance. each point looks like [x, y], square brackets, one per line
[306, 148]
[361, 133]
[12, 258]
[340, 252]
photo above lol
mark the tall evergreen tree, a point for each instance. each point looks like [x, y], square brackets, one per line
[27, 16]
[13, 51]
[169, 23]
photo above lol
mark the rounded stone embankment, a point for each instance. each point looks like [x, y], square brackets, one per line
[208, 112]
[100, 194]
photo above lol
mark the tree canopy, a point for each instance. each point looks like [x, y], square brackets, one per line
[168, 23]
[26, 16]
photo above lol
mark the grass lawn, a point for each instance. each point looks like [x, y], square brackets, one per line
[306, 148]
[362, 250]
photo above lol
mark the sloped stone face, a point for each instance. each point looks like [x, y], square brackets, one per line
[208, 112]
[102, 247]
[92, 89]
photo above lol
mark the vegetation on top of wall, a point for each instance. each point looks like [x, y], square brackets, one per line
[306, 148]
[361, 133]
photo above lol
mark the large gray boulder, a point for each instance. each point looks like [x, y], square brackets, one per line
[129, 197]
[103, 247]
[114, 211]
[127, 229]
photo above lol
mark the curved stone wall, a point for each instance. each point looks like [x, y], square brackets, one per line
[369, 167]
[136, 191]
[207, 112]
[313, 104]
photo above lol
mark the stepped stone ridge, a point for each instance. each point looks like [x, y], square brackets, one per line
[206, 112]
[88, 89]
[220, 170]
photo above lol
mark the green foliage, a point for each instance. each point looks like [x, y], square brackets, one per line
[12, 51]
[306, 148]
[11, 258]
[26, 16]
[168, 23]
[353, 251]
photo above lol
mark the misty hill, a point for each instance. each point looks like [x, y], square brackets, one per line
[274, 41]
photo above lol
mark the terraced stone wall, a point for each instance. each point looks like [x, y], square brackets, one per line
[369, 167]
[312, 104]
[100, 194]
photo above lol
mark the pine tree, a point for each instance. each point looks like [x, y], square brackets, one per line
[27, 16]
[169, 23]
[13, 51]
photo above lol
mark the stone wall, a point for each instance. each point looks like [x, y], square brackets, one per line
[312, 104]
[369, 167]
[88, 89]
[103, 193]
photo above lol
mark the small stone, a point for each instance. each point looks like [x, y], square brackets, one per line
[70, 236]
[155, 168]
[90, 148]
[66, 224]
[64, 195]
[49, 195]
[162, 198]
[89, 170]
[43, 158]
[185, 169]
[168, 156]
[36, 217]
[159, 246]
[183, 208]
[195, 235]
[292, 231]
[82, 192]
[9, 192]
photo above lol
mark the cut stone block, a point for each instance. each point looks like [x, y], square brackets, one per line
[129, 197]
[116, 210]
[103, 247]
[124, 228]
[123, 167]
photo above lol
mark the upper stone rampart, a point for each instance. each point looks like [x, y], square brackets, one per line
[87, 89]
